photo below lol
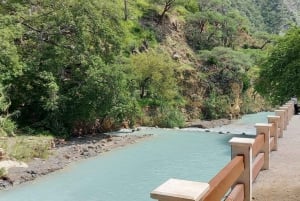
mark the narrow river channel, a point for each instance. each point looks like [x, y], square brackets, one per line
[132, 172]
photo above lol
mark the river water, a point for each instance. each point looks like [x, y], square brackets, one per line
[132, 172]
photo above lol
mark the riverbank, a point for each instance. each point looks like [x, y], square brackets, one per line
[208, 124]
[66, 152]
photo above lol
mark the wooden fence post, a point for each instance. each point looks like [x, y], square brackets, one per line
[265, 129]
[293, 108]
[243, 146]
[290, 109]
[280, 113]
[285, 116]
[180, 190]
[274, 131]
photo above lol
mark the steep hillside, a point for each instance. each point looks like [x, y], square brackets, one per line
[294, 7]
[272, 16]
[77, 67]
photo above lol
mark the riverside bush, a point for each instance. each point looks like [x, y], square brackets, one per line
[215, 107]
[171, 119]
[7, 127]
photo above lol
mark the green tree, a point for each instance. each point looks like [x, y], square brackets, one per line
[215, 25]
[154, 73]
[167, 5]
[11, 66]
[7, 126]
[275, 14]
[279, 77]
[67, 49]
[10, 62]
[225, 67]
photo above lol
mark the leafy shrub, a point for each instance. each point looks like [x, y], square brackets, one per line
[147, 120]
[227, 66]
[215, 107]
[7, 127]
[191, 5]
[170, 119]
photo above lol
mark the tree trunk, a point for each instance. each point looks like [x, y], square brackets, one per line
[125, 10]
[161, 17]
[143, 86]
[168, 5]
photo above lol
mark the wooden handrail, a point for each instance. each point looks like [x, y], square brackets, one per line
[272, 130]
[220, 184]
[272, 143]
[257, 165]
[258, 144]
[237, 193]
[249, 156]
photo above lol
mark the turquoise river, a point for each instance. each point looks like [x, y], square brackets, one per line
[132, 172]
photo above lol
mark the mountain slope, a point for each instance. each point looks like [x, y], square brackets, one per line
[294, 7]
[272, 16]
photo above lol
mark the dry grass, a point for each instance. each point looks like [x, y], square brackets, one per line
[2, 172]
[25, 148]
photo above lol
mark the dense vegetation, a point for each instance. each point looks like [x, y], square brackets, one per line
[78, 67]
[280, 74]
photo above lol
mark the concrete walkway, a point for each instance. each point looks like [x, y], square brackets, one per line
[282, 181]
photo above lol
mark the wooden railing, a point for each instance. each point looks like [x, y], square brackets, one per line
[258, 143]
[257, 165]
[249, 157]
[237, 193]
[223, 181]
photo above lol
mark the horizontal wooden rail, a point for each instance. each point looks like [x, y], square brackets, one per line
[257, 165]
[272, 130]
[221, 183]
[249, 156]
[258, 144]
[272, 143]
[237, 193]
